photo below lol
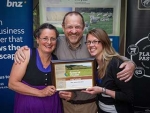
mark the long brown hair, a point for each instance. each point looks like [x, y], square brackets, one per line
[108, 50]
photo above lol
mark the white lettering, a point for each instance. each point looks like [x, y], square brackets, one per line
[3, 48]
[7, 56]
[11, 47]
[2, 40]
[14, 4]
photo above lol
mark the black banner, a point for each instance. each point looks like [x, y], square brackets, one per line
[138, 49]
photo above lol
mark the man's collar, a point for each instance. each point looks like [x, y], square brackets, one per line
[79, 46]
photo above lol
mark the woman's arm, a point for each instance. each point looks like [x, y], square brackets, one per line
[16, 75]
[124, 90]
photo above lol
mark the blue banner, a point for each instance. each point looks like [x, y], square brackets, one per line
[16, 28]
[115, 42]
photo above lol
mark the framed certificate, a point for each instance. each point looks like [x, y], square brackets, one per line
[73, 74]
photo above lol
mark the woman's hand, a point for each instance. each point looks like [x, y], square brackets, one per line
[93, 90]
[48, 91]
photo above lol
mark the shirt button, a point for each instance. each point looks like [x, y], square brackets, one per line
[45, 84]
[45, 74]
[46, 79]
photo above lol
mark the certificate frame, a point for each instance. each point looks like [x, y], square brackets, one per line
[73, 74]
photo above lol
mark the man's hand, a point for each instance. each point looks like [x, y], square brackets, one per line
[19, 55]
[127, 73]
[67, 95]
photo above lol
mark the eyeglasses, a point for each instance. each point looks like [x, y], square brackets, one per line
[47, 39]
[93, 42]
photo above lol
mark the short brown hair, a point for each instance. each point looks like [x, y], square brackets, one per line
[38, 31]
[73, 13]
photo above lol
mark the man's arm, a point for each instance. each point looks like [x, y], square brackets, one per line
[19, 55]
[128, 71]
